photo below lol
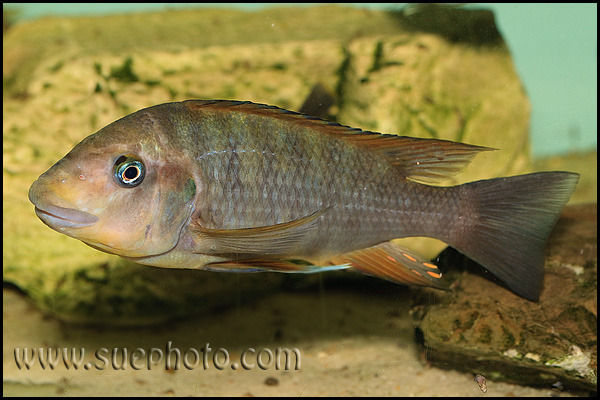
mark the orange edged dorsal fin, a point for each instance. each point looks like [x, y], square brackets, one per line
[426, 160]
[393, 263]
[273, 240]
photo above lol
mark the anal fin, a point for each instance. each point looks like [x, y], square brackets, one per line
[394, 263]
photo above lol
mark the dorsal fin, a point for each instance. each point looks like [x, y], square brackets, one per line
[428, 160]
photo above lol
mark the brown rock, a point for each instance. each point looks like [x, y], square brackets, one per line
[483, 328]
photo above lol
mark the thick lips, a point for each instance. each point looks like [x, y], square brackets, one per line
[53, 215]
[60, 217]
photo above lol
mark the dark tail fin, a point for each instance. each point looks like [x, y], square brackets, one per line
[511, 228]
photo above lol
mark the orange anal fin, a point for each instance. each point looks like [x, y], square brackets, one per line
[393, 263]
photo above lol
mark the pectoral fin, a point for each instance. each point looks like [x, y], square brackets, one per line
[274, 240]
[393, 263]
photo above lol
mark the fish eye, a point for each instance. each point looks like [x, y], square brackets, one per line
[129, 171]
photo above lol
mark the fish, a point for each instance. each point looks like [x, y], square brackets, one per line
[235, 186]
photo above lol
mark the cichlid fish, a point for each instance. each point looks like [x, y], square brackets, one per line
[243, 187]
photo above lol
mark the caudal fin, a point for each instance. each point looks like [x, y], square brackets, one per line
[514, 219]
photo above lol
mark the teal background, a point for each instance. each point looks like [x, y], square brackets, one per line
[554, 47]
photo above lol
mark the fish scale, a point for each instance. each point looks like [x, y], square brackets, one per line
[325, 183]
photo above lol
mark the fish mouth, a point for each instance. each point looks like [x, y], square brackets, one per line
[61, 217]
[55, 211]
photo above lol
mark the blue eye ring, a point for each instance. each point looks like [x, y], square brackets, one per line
[129, 171]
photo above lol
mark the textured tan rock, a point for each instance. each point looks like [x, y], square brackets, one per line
[67, 77]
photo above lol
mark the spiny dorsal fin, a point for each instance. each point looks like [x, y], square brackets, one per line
[428, 160]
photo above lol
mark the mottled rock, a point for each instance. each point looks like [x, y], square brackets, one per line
[483, 328]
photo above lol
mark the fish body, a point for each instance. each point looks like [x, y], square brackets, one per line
[244, 187]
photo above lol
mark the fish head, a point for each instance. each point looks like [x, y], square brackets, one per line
[123, 190]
